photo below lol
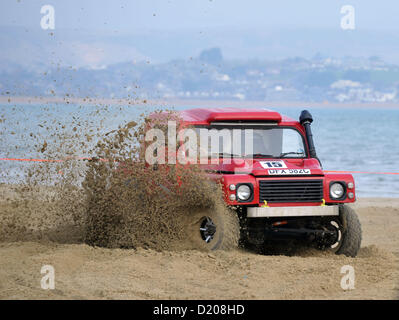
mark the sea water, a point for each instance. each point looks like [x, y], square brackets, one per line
[358, 139]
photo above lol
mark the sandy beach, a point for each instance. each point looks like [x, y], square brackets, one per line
[165, 150]
[85, 272]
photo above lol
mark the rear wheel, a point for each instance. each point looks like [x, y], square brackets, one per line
[212, 229]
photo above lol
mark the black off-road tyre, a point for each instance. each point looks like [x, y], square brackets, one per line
[227, 226]
[351, 232]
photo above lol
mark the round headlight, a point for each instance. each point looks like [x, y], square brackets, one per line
[336, 190]
[243, 192]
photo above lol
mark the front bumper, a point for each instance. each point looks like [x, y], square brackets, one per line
[306, 211]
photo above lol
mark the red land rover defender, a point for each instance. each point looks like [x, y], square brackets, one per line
[279, 190]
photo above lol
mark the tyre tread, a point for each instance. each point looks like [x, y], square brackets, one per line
[352, 233]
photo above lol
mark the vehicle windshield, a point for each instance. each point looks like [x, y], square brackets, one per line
[265, 142]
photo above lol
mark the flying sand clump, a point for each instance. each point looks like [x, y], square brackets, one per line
[115, 199]
[133, 204]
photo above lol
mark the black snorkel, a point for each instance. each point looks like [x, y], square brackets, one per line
[305, 120]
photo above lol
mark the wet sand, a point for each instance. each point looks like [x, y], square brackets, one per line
[85, 272]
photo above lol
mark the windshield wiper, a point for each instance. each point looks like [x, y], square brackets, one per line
[259, 155]
[224, 155]
[282, 155]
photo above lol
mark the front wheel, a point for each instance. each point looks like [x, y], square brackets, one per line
[348, 232]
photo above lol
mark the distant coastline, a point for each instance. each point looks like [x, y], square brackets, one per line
[12, 100]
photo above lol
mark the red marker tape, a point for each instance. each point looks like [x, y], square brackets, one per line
[49, 160]
[35, 160]
[365, 172]
[85, 158]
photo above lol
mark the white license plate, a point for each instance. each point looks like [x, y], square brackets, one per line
[288, 171]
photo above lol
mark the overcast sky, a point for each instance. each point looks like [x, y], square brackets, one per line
[138, 15]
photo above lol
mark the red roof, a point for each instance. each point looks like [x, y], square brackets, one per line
[203, 116]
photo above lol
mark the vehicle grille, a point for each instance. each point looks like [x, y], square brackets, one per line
[291, 190]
